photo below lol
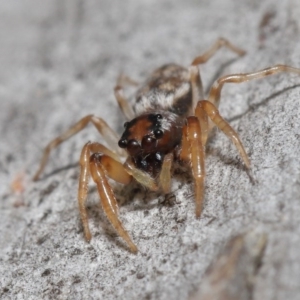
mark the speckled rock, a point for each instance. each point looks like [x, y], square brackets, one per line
[59, 62]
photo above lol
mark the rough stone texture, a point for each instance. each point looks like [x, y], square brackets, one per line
[59, 61]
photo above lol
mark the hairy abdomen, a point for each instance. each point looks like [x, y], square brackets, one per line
[169, 89]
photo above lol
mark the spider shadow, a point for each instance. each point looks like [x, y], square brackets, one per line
[125, 195]
[136, 196]
[266, 101]
[219, 72]
[231, 161]
[97, 216]
[95, 213]
[58, 170]
[138, 199]
[235, 162]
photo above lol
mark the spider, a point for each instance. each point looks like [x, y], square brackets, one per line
[169, 121]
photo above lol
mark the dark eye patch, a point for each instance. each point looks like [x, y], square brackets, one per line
[154, 118]
[156, 122]
[158, 133]
[148, 142]
[122, 143]
[133, 147]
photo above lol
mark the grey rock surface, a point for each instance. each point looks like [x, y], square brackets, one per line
[59, 62]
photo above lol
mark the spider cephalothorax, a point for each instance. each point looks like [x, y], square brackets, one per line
[169, 121]
[149, 137]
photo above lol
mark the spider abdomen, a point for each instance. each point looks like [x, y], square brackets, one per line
[167, 89]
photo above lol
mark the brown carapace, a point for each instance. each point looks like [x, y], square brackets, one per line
[170, 120]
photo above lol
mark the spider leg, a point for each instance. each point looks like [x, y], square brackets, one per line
[124, 80]
[119, 94]
[165, 174]
[123, 103]
[204, 122]
[215, 91]
[195, 78]
[192, 144]
[221, 42]
[109, 135]
[196, 84]
[99, 166]
[214, 115]
[83, 190]
[184, 153]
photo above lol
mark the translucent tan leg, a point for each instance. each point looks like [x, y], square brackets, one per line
[197, 155]
[221, 42]
[214, 115]
[119, 94]
[165, 174]
[109, 135]
[215, 91]
[196, 85]
[83, 189]
[185, 153]
[124, 80]
[100, 166]
[204, 122]
[195, 78]
[84, 178]
[123, 103]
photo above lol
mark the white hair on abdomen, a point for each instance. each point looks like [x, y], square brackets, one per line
[158, 100]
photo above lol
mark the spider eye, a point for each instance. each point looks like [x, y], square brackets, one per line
[158, 133]
[126, 124]
[133, 147]
[155, 118]
[148, 142]
[122, 143]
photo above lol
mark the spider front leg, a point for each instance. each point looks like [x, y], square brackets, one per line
[99, 166]
[215, 91]
[194, 138]
[193, 152]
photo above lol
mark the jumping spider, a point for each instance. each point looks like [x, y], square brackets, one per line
[169, 121]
